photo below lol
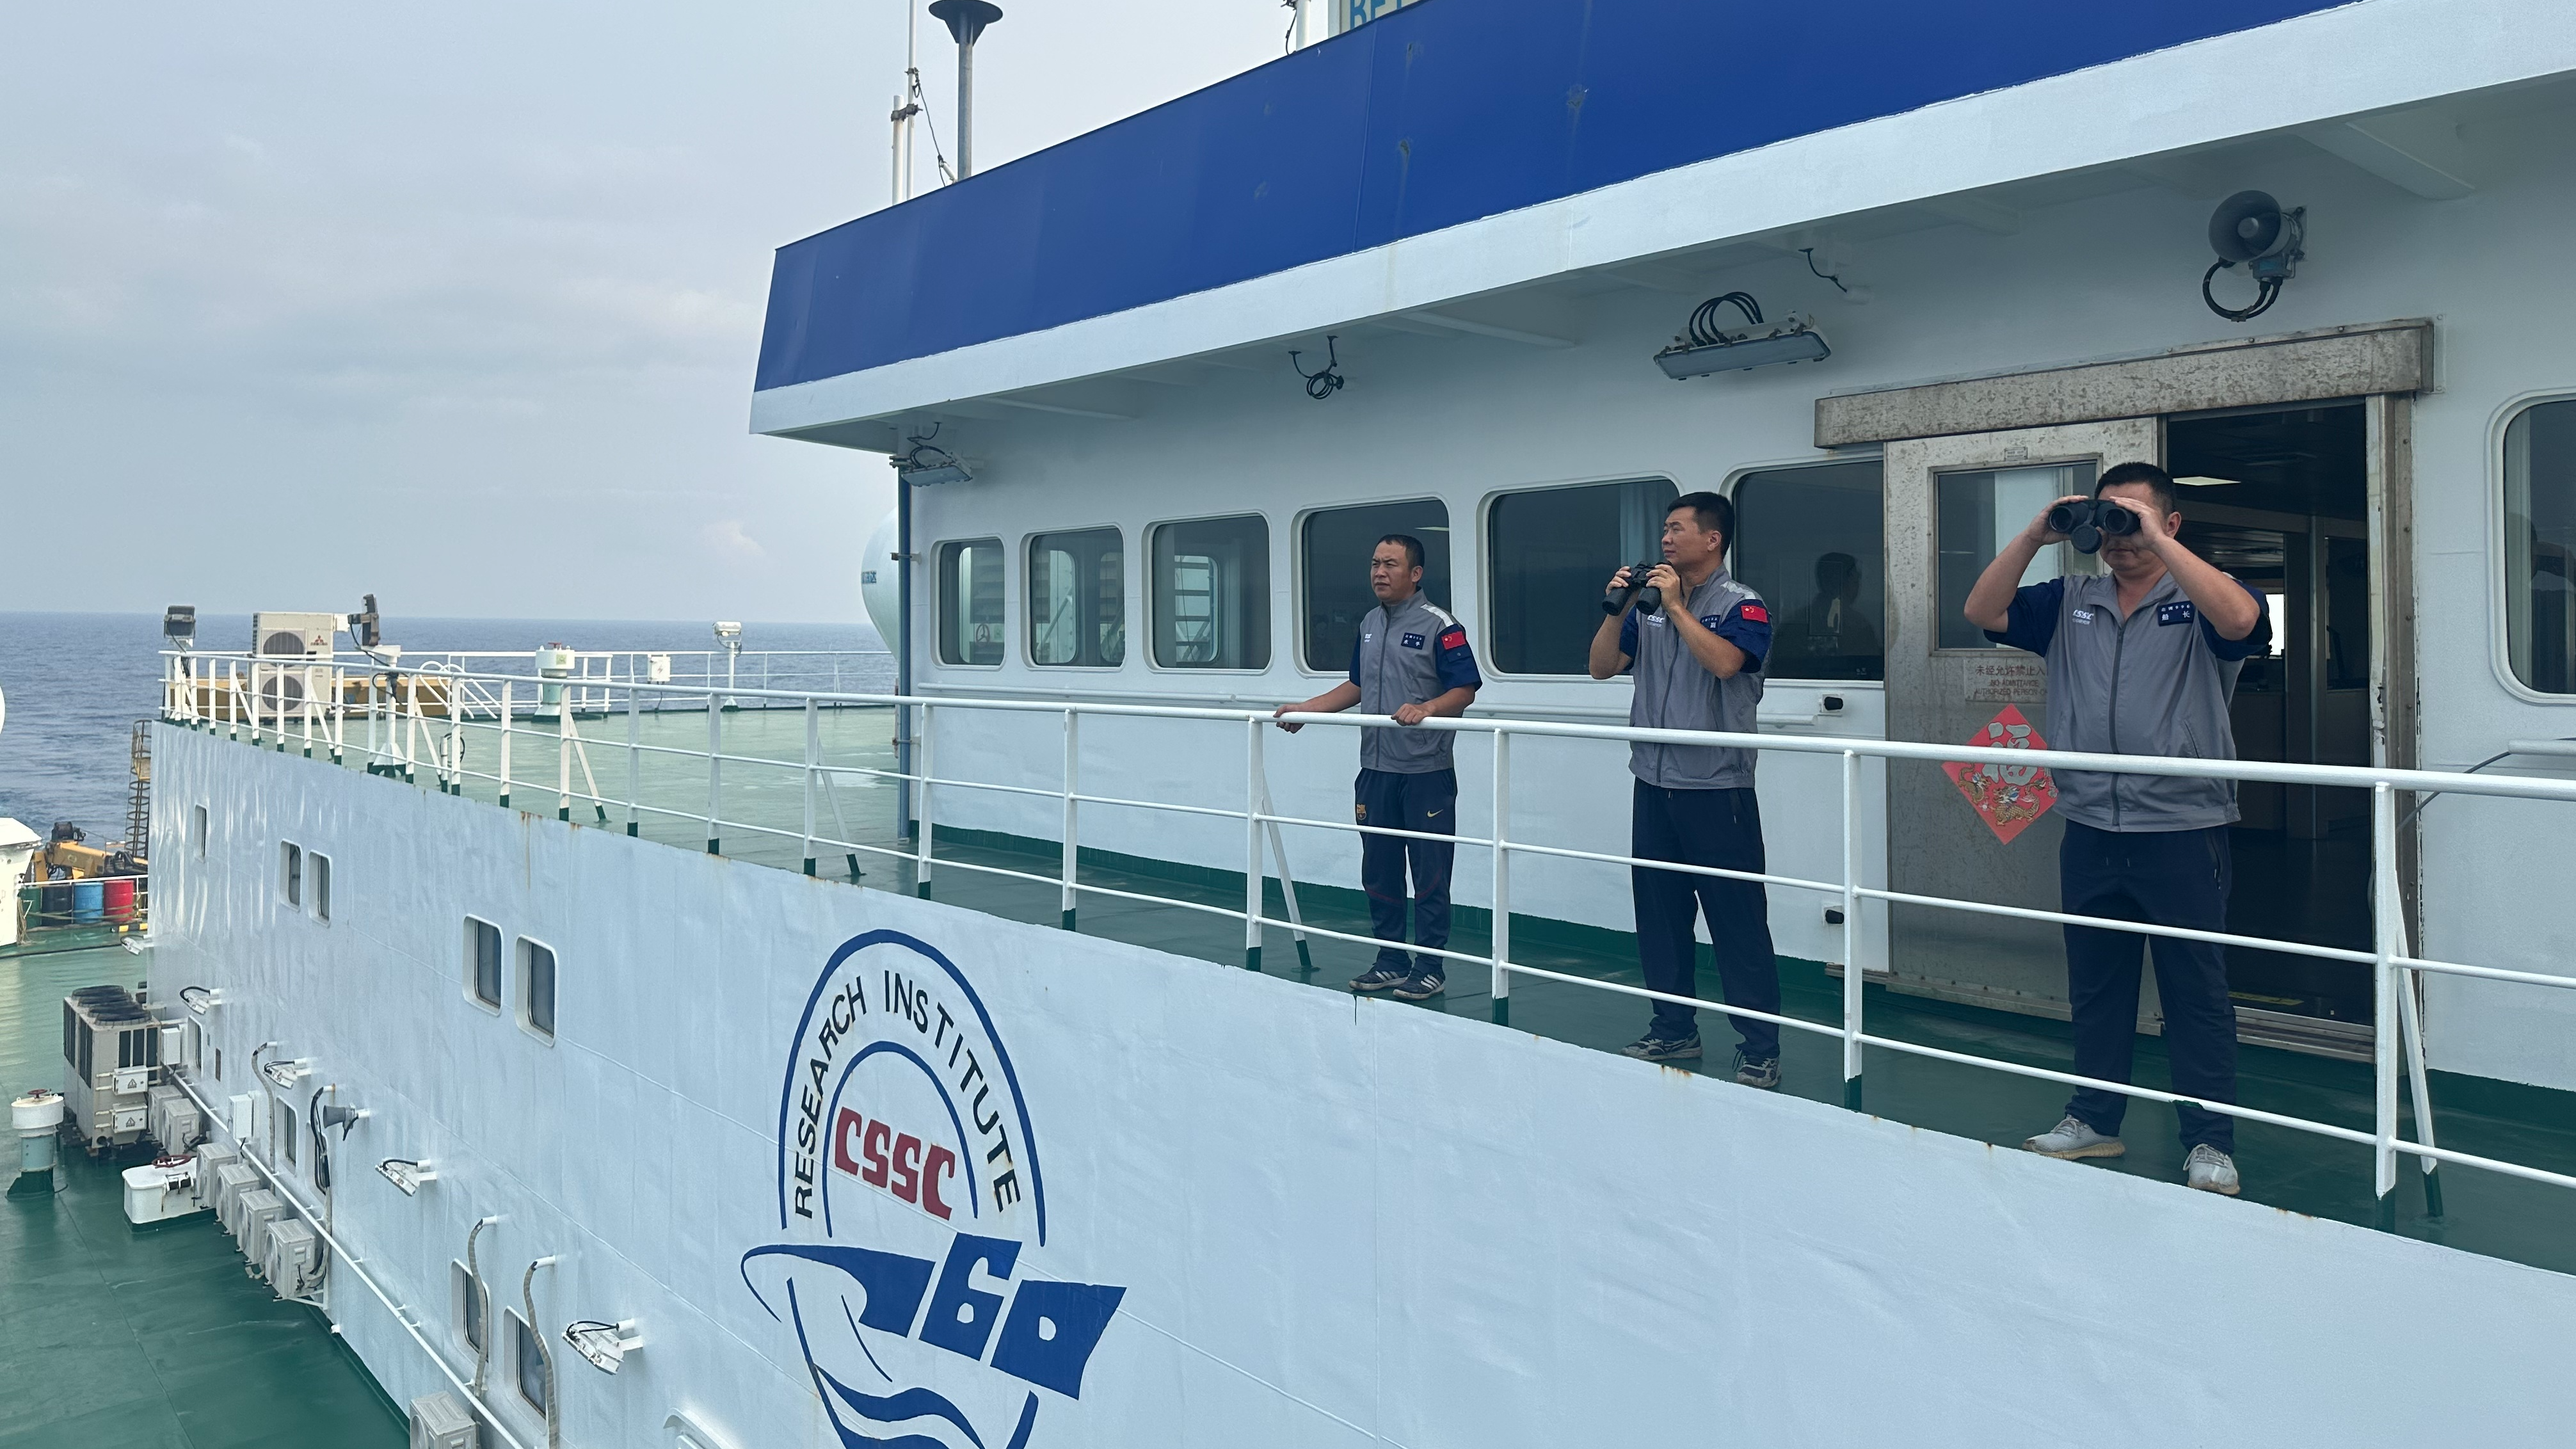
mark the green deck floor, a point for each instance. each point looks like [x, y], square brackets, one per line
[120, 1337]
[2485, 1213]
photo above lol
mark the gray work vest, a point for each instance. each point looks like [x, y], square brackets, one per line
[1399, 663]
[2148, 685]
[1675, 692]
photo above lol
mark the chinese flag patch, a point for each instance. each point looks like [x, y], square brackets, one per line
[1755, 613]
[2007, 797]
[1454, 639]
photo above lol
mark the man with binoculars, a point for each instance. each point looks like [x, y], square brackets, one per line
[1696, 640]
[2141, 661]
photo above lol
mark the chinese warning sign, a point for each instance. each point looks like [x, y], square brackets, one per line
[2007, 797]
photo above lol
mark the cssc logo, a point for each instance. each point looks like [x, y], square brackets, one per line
[908, 1189]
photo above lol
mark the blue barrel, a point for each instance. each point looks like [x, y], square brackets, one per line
[89, 899]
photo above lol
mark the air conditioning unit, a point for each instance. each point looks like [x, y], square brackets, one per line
[441, 1421]
[111, 1054]
[211, 1161]
[292, 661]
[172, 1119]
[253, 1211]
[232, 1181]
[294, 1259]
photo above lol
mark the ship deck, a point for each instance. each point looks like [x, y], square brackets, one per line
[145, 1338]
[2484, 1213]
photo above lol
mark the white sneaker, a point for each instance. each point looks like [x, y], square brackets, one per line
[2210, 1170]
[2073, 1138]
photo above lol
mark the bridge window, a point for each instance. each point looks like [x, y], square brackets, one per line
[970, 602]
[197, 830]
[483, 962]
[321, 872]
[537, 988]
[1334, 545]
[1078, 599]
[284, 1126]
[1980, 511]
[1813, 543]
[473, 1305]
[2540, 546]
[290, 872]
[528, 1360]
[1550, 552]
[1212, 593]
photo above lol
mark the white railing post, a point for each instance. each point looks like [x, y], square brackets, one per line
[634, 758]
[2385, 919]
[505, 744]
[1853, 972]
[1072, 846]
[1502, 934]
[455, 730]
[1252, 793]
[813, 759]
[310, 707]
[921, 822]
[715, 771]
[563, 754]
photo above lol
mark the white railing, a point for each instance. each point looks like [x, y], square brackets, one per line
[594, 673]
[413, 734]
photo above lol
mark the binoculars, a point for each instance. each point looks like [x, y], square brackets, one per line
[1645, 596]
[2088, 521]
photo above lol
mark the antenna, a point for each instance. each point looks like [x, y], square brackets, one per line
[966, 21]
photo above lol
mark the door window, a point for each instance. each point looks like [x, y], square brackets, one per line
[1212, 594]
[1334, 553]
[2540, 546]
[1813, 543]
[1980, 511]
[1078, 599]
[1550, 552]
[970, 602]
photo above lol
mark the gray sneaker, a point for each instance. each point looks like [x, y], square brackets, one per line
[2074, 1138]
[2210, 1170]
[1763, 1072]
[1422, 986]
[1381, 978]
[1653, 1048]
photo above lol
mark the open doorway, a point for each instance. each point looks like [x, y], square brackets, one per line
[2280, 498]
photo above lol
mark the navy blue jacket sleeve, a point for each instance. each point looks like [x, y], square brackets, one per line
[1747, 626]
[1628, 634]
[1355, 659]
[2032, 622]
[2258, 642]
[1456, 662]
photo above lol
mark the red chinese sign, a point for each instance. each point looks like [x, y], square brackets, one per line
[2007, 797]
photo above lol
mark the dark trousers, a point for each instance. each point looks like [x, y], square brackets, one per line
[1426, 802]
[2164, 878]
[1721, 828]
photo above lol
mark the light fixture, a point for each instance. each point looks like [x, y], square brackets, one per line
[604, 1346]
[925, 464]
[286, 1074]
[135, 945]
[1706, 346]
[406, 1174]
[2251, 228]
[728, 628]
[200, 1000]
[2198, 482]
[179, 624]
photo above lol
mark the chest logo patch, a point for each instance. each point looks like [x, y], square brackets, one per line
[2179, 611]
[1412, 641]
[1711, 621]
[2081, 616]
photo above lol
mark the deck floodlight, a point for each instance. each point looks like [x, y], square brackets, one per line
[728, 628]
[179, 624]
[1707, 345]
[2251, 229]
[406, 1174]
[925, 464]
[287, 1074]
[199, 999]
[604, 1346]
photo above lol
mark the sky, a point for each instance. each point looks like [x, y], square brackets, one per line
[458, 305]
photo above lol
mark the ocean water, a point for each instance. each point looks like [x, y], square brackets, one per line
[76, 683]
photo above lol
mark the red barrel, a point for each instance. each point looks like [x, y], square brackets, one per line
[120, 898]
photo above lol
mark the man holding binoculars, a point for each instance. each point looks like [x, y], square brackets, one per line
[1696, 640]
[2141, 661]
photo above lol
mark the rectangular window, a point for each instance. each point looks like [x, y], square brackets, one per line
[284, 1124]
[290, 867]
[197, 830]
[483, 961]
[1813, 543]
[321, 887]
[536, 1381]
[1078, 599]
[970, 602]
[1980, 512]
[1549, 554]
[473, 1308]
[2540, 546]
[537, 987]
[1212, 593]
[1334, 545]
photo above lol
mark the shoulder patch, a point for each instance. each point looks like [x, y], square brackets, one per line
[1753, 611]
[1456, 638]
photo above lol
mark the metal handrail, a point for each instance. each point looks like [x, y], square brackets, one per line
[2396, 969]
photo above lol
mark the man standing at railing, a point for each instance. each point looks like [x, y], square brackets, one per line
[2141, 661]
[1697, 659]
[1412, 662]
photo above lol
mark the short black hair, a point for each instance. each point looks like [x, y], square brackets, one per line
[1412, 547]
[1716, 515]
[1836, 566]
[2158, 481]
